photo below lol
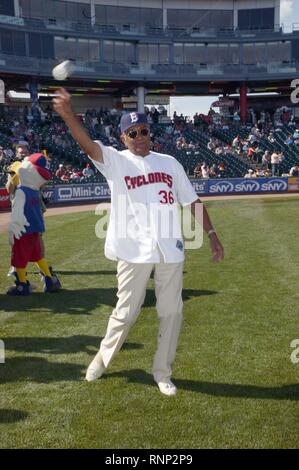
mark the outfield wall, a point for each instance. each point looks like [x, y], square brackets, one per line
[89, 192]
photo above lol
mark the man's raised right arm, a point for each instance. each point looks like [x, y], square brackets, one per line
[63, 106]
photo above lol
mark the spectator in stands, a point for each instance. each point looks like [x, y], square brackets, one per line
[221, 168]
[205, 171]
[292, 122]
[266, 159]
[275, 163]
[236, 118]
[191, 145]
[236, 143]
[251, 153]
[219, 150]
[9, 153]
[250, 174]
[252, 116]
[258, 155]
[22, 150]
[211, 145]
[296, 134]
[154, 115]
[88, 172]
[294, 171]
[259, 172]
[256, 133]
[76, 175]
[281, 157]
[181, 143]
[182, 119]
[197, 171]
[196, 120]
[60, 171]
[245, 147]
[13, 180]
[278, 125]
[214, 171]
[262, 118]
[67, 173]
[162, 110]
[285, 115]
[289, 140]
[175, 118]
[271, 137]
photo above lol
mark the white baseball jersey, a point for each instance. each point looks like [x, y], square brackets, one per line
[145, 192]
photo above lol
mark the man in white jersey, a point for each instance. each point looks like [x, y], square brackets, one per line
[147, 186]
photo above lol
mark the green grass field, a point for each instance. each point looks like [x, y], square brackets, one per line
[237, 385]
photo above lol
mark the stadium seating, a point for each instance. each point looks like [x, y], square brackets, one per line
[63, 149]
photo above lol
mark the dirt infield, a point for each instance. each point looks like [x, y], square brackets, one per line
[5, 216]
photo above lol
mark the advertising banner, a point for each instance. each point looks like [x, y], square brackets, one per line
[241, 186]
[70, 193]
[4, 199]
[80, 192]
[293, 184]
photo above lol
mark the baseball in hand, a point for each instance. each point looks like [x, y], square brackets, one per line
[63, 70]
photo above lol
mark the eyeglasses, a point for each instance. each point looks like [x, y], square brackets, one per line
[133, 134]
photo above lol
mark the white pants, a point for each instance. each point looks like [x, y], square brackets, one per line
[132, 282]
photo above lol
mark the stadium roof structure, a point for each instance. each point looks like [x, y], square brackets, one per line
[169, 48]
[118, 88]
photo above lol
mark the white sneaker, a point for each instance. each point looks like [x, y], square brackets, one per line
[95, 369]
[167, 387]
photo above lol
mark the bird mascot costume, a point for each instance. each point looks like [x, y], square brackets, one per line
[27, 224]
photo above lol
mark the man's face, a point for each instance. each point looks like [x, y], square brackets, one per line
[137, 139]
[22, 152]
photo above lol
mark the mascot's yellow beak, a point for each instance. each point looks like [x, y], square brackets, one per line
[14, 167]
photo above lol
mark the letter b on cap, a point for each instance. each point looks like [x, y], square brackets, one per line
[134, 117]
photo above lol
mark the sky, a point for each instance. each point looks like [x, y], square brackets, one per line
[189, 105]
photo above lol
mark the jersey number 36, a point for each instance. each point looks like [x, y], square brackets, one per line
[166, 197]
